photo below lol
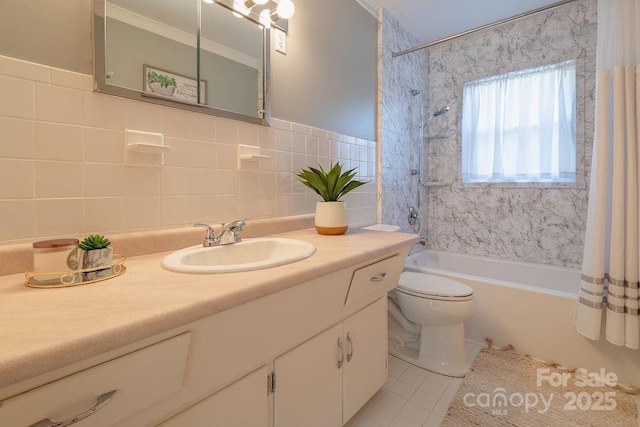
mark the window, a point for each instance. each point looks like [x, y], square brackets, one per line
[520, 126]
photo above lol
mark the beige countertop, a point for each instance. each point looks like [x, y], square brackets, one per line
[46, 329]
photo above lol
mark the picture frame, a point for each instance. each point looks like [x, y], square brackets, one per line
[161, 83]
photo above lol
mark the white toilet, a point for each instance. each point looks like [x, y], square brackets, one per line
[426, 319]
[426, 322]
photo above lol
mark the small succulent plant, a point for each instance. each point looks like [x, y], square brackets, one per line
[331, 184]
[94, 242]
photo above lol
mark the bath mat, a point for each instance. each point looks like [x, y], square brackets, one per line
[505, 388]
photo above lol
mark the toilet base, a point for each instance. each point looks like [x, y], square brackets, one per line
[441, 351]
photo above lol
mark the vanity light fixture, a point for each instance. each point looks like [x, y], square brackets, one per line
[250, 3]
[285, 10]
[264, 12]
[239, 9]
[265, 18]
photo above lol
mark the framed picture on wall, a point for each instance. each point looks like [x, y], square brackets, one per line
[166, 84]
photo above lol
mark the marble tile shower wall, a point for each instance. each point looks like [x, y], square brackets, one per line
[399, 116]
[543, 225]
[63, 168]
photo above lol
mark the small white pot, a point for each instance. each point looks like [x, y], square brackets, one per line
[331, 218]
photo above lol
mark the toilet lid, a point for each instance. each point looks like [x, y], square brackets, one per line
[430, 284]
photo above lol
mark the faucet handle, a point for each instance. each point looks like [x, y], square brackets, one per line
[209, 237]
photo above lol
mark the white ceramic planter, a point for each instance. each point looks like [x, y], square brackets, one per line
[331, 218]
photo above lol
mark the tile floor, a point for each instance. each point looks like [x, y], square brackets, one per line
[412, 396]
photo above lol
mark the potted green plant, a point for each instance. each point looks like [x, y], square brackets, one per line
[94, 251]
[161, 84]
[331, 185]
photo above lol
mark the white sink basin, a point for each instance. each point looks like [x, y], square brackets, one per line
[248, 255]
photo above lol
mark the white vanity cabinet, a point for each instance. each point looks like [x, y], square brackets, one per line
[104, 394]
[244, 403]
[322, 382]
[326, 380]
[321, 378]
[323, 340]
[365, 372]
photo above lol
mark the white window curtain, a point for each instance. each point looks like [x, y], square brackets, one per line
[520, 126]
[608, 292]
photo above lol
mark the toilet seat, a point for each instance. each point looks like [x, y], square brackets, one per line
[430, 286]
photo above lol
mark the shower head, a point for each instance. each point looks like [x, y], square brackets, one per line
[445, 110]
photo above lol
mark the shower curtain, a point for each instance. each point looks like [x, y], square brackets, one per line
[609, 287]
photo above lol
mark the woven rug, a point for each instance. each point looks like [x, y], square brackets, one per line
[505, 388]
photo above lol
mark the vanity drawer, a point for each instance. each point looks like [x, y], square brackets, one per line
[140, 379]
[374, 279]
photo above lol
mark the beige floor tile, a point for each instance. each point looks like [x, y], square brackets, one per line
[405, 390]
[400, 421]
[415, 413]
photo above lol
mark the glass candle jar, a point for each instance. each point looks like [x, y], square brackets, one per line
[52, 256]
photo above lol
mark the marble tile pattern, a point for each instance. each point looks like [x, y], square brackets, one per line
[399, 118]
[522, 222]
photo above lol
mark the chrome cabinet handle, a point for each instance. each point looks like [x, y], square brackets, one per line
[101, 401]
[379, 278]
[341, 359]
[350, 341]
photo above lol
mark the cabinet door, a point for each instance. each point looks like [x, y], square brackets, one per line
[113, 390]
[365, 371]
[241, 404]
[309, 383]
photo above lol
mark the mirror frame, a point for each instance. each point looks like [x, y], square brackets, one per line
[101, 86]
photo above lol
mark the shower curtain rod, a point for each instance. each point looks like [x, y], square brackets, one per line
[483, 27]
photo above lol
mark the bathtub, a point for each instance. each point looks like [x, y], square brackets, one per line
[530, 306]
[533, 277]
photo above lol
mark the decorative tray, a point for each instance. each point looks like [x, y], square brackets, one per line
[63, 279]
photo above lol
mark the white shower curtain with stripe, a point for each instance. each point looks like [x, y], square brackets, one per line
[609, 287]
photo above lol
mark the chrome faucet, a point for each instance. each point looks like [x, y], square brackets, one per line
[230, 233]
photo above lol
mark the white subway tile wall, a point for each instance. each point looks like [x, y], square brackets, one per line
[64, 170]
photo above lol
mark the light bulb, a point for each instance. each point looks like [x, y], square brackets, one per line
[285, 9]
[265, 19]
[208, 1]
[239, 10]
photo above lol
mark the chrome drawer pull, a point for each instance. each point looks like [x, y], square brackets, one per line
[350, 341]
[101, 401]
[340, 347]
[379, 278]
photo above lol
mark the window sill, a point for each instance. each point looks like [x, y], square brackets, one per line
[533, 185]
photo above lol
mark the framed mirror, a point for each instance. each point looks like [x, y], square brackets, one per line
[188, 54]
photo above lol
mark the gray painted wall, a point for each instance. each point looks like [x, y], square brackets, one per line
[54, 33]
[328, 77]
[326, 80]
